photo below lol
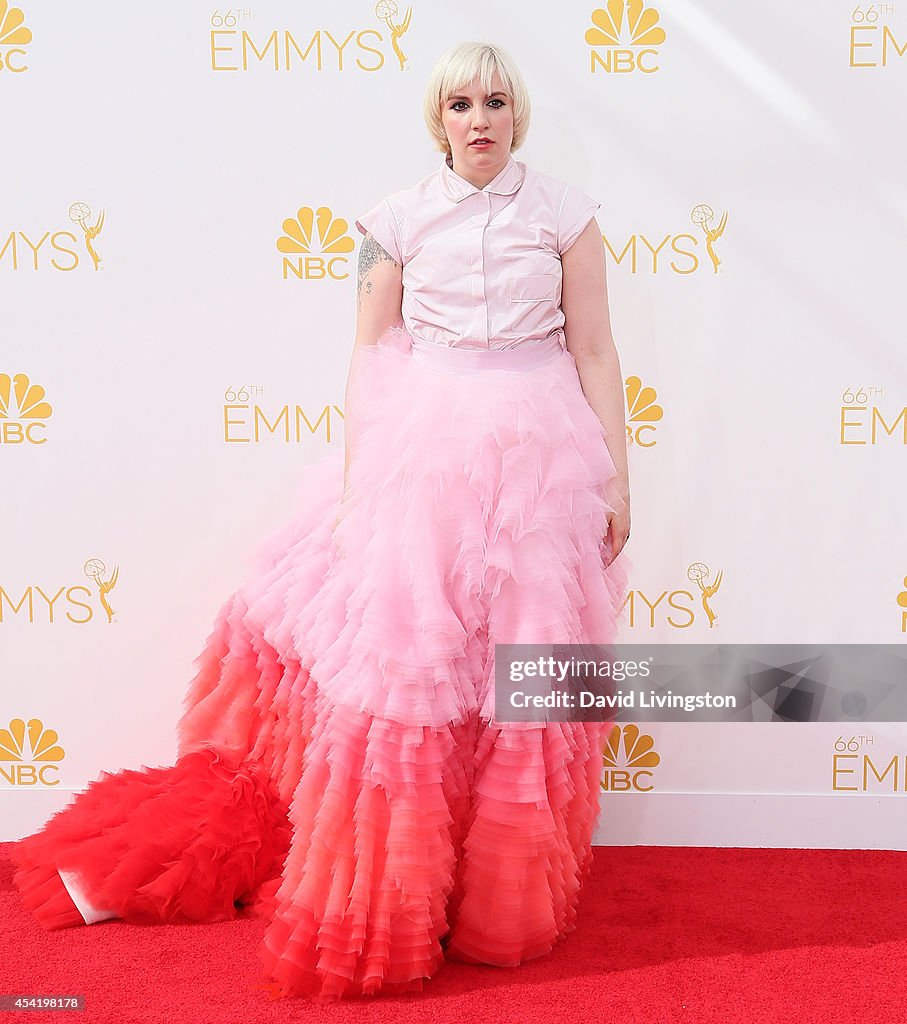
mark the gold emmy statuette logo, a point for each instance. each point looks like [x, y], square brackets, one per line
[627, 761]
[703, 216]
[94, 569]
[27, 764]
[79, 213]
[698, 573]
[234, 47]
[386, 11]
[867, 34]
[642, 409]
[902, 604]
[22, 408]
[676, 607]
[678, 250]
[14, 34]
[608, 25]
[49, 245]
[299, 240]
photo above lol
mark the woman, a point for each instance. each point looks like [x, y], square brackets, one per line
[341, 771]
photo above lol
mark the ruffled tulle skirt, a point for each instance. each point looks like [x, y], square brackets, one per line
[341, 772]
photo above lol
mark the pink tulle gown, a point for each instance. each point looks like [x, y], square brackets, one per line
[340, 771]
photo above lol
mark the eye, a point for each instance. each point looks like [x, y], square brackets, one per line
[458, 104]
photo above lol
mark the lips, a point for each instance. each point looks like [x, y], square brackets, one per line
[474, 141]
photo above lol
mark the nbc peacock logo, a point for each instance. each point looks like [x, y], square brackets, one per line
[30, 754]
[23, 411]
[624, 37]
[628, 761]
[236, 45]
[15, 35]
[643, 412]
[315, 246]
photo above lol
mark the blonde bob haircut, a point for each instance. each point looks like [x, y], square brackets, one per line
[459, 67]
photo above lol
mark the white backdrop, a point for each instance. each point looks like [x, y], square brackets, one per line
[781, 379]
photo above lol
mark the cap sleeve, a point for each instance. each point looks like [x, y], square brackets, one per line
[577, 209]
[382, 225]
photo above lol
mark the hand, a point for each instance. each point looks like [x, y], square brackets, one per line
[618, 530]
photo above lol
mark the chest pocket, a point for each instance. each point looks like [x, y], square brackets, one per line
[533, 307]
[533, 288]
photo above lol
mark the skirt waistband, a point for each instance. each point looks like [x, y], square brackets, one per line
[444, 357]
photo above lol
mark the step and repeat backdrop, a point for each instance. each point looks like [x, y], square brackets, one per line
[178, 189]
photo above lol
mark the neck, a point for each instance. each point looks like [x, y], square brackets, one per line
[479, 178]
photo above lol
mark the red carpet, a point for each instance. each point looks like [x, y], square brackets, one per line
[726, 936]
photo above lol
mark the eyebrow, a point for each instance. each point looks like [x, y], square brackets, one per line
[488, 97]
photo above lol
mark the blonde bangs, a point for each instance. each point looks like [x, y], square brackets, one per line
[458, 68]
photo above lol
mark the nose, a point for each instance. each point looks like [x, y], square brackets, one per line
[479, 118]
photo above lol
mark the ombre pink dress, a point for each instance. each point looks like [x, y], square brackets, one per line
[340, 768]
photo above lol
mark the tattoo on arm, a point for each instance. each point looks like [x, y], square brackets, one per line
[370, 254]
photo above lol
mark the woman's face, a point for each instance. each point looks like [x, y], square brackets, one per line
[471, 115]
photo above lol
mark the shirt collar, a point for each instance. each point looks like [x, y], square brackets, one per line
[505, 183]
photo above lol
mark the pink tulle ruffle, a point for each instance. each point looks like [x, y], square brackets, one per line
[340, 770]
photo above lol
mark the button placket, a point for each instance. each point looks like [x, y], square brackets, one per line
[484, 278]
[475, 271]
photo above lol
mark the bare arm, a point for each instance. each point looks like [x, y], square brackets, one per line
[379, 292]
[587, 328]
[379, 299]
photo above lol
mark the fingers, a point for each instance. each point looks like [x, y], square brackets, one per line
[615, 539]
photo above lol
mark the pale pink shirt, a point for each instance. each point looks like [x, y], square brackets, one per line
[481, 267]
